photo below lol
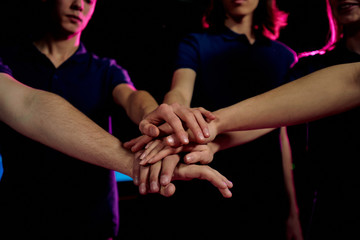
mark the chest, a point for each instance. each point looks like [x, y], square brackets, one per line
[83, 85]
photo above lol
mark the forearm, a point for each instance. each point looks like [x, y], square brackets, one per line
[49, 119]
[182, 87]
[175, 96]
[231, 139]
[288, 170]
[140, 103]
[323, 93]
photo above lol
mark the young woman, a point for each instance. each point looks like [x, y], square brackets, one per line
[236, 58]
[325, 205]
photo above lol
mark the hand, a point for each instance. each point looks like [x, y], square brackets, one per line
[140, 175]
[157, 150]
[173, 141]
[174, 114]
[148, 180]
[139, 143]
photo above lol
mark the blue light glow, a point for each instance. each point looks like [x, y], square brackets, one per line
[119, 176]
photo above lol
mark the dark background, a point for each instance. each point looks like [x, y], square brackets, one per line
[142, 36]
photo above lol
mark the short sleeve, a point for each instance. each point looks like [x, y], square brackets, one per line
[118, 75]
[188, 53]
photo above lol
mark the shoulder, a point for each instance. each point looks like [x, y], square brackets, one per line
[283, 48]
[283, 52]
[109, 68]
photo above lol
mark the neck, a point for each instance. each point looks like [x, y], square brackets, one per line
[58, 50]
[241, 26]
[352, 37]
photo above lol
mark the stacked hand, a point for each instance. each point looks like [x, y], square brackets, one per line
[157, 161]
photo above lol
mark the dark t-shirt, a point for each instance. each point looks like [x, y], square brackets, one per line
[44, 193]
[230, 69]
[326, 155]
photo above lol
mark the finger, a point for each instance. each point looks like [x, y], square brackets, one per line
[143, 179]
[149, 129]
[154, 177]
[154, 150]
[188, 117]
[149, 147]
[165, 129]
[198, 153]
[141, 143]
[164, 113]
[194, 157]
[168, 190]
[168, 167]
[172, 141]
[164, 153]
[136, 169]
[207, 114]
[202, 123]
[188, 172]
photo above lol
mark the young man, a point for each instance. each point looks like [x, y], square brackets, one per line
[44, 193]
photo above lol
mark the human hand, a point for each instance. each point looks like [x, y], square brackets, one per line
[173, 141]
[157, 177]
[157, 150]
[174, 115]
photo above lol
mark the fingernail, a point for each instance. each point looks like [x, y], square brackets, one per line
[206, 132]
[153, 132]
[142, 189]
[154, 187]
[201, 136]
[185, 140]
[142, 156]
[136, 181]
[170, 140]
[188, 159]
[164, 180]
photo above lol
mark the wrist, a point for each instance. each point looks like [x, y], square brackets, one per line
[214, 147]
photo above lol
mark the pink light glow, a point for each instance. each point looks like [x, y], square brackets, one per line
[332, 32]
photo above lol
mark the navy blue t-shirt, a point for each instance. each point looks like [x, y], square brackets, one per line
[45, 193]
[230, 69]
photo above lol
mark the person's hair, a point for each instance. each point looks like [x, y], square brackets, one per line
[335, 28]
[267, 19]
[334, 35]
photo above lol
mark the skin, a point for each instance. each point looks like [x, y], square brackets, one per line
[239, 18]
[54, 122]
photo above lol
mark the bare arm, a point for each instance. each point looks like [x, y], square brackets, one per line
[231, 139]
[49, 119]
[182, 87]
[293, 221]
[326, 92]
[136, 103]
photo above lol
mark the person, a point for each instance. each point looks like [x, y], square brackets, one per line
[44, 193]
[321, 94]
[240, 45]
[72, 139]
[320, 144]
[326, 92]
